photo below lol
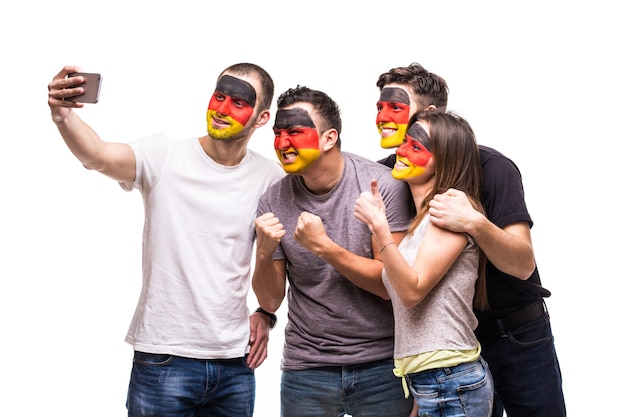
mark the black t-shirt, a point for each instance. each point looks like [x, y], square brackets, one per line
[503, 200]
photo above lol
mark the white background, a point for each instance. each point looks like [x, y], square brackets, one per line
[541, 81]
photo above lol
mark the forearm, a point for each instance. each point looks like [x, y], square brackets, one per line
[509, 249]
[115, 160]
[269, 282]
[437, 252]
[81, 139]
[402, 276]
[365, 273]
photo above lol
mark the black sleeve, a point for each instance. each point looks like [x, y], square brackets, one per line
[390, 161]
[503, 191]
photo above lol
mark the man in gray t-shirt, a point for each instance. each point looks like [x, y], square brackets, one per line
[339, 343]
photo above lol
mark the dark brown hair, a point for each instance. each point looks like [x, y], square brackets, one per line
[427, 87]
[457, 165]
[267, 84]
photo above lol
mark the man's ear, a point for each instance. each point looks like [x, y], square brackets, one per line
[262, 119]
[431, 108]
[329, 139]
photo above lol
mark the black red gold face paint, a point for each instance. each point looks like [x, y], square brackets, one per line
[296, 140]
[230, 108]
[393, 116]
[414, 154]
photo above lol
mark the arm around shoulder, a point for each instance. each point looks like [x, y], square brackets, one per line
[509, 249]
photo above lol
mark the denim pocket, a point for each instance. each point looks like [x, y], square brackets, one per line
[477, 397]
[244, 361]
[474, 378]
[151, 359]
[532, 333]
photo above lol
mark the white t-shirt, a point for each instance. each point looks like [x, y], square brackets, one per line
[197, 248]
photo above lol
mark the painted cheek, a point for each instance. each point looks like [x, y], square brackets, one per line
[216, 105]
[390, 113]
[395, 140]
[384, 115]
[417, 161]
[305, 158]
[419, 158]
[306, 140]
[413, 172]
[402, 116]
[227, 108]
[241, 114]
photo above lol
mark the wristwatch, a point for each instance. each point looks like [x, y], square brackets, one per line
[272, 316]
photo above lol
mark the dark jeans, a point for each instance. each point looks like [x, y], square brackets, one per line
[171, 386]
[526, 372]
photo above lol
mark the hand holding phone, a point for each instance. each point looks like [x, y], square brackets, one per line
[91, 87]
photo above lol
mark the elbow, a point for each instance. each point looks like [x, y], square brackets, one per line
[524, 270]
[411, 300]
[410, 292]
[92, 165]
[527, 272]
[381, 292]
[521, 269]
[87, 164]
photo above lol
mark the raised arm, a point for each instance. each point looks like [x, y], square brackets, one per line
[509, 249]
[115, 160]
[269, 280]
[362, 271]
[438, 251]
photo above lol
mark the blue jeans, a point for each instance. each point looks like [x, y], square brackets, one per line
[365, 390]
[526, 372]
[171, 386]
[465, 390]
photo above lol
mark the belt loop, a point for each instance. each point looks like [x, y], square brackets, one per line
[501, 328]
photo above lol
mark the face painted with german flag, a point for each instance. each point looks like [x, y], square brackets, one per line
[413, 155]
[230, 108]
[295, 139]
[393, 116]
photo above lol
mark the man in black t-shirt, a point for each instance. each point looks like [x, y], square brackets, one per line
[515, 332]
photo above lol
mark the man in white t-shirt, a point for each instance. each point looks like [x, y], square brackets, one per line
[196, 346]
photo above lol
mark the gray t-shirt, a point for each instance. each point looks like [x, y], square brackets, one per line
[332, 322]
